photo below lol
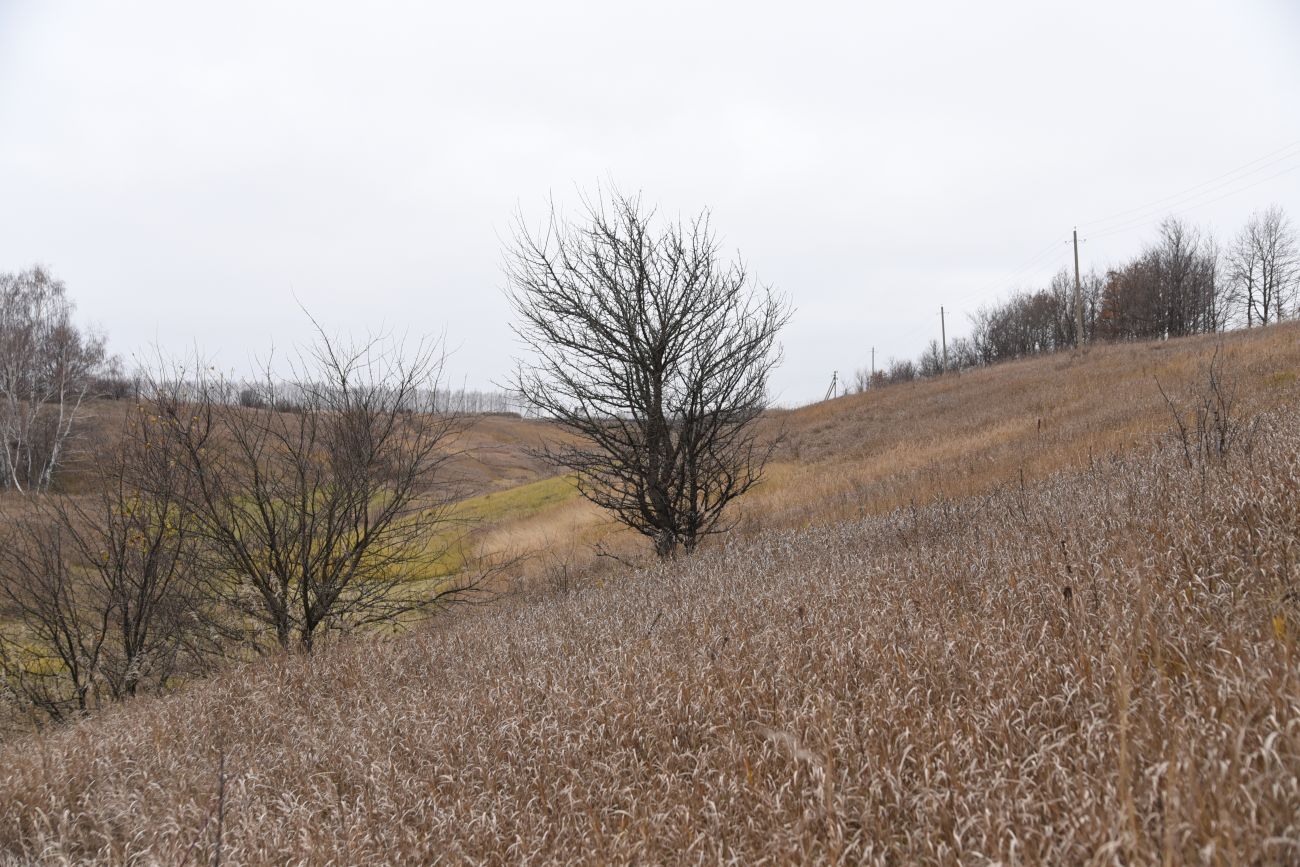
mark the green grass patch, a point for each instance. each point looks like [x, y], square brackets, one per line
[517, 502]
[444, 553]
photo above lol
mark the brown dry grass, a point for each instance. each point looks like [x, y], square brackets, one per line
[905, 686]
[961, 435]
[493, 453]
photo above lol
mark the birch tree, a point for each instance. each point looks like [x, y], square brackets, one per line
[47, 365]
[1264, 264]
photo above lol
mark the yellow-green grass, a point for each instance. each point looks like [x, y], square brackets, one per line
[474, 527]
[517, 502]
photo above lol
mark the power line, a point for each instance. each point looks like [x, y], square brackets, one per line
[1184, 200]
[1037, 261]
[1190, 202]
[1195, 188]
[1240, 173]
[1132, 224]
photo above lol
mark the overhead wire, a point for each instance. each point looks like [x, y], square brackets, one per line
[1033, 262]
[1112, 224]
[1293, 146]
[1195, 200]
[1124, 227]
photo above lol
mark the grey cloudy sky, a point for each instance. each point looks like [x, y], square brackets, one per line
[188, 169]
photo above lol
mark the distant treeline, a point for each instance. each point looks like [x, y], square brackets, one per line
[1183, 283]
[290, 397]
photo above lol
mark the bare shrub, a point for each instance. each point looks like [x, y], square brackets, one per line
[251, 398]
[901, 370]
[1209, 422]
[112, 382]
[932, 360]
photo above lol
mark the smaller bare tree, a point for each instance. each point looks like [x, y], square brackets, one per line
[932, 360]
[901, 370]
[325, 504]
[104, 591]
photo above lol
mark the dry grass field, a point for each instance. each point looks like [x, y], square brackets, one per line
[905, 444]
[995, 618]
[492, 454]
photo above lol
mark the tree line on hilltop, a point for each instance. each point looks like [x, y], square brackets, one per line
[1182, 283]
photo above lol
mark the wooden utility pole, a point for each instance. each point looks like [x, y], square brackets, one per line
[943, 332]
[1078, 297]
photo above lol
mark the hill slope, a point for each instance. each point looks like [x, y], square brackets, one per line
[1077, 646]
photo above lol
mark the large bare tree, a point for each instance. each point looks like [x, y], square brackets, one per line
[1264, 264]
[47, 365]
[656, 354]
[325, 504]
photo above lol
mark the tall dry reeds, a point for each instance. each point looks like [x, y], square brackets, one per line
[1098, 667]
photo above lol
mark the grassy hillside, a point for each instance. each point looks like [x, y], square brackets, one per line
[967, 434]
[990, 618]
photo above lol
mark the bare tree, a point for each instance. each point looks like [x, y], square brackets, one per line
[932, 360]
[324, 504]
[46, 370]
[656, 354]
[962, 354]
[1264, 266]
[1171, 290]
[104, 591]
[901, 370]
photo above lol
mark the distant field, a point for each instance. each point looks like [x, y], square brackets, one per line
[988, 618]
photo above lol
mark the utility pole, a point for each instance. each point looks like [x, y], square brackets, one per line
[943, 332]
[873, 363]
[835, 378]
[1078, 297]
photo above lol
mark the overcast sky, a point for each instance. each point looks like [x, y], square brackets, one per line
[188, 169]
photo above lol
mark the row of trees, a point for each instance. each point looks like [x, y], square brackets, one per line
[111, 383]
[1184, 283]
[289, 397]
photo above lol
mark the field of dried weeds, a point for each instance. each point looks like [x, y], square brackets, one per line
[1101, 665]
